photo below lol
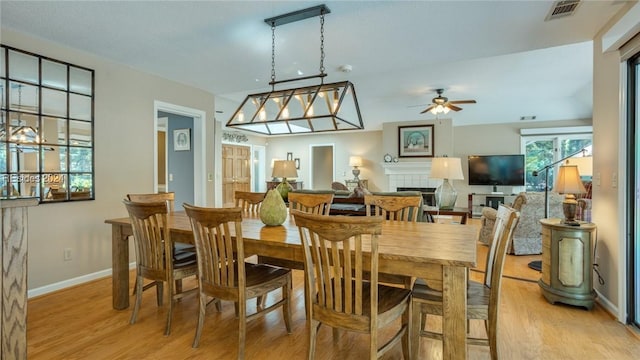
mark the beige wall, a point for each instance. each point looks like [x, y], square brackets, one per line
[124, 132]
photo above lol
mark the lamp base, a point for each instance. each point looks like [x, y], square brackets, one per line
[356, 174]
[569, 208]
[446, 196]
[283, 188]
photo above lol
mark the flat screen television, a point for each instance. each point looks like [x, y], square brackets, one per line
[496, 170]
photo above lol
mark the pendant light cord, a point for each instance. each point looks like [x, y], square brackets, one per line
[322, 44]
[273, 55]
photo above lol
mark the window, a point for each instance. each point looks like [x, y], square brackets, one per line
[46, 128]
[543, 150]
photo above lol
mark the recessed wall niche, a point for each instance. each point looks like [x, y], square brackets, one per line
[46, 128]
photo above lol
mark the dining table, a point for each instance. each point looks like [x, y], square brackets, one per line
[441, 254]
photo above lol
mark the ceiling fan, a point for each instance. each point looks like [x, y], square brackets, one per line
[441, 104]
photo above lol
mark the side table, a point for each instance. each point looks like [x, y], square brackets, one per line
[567, 262]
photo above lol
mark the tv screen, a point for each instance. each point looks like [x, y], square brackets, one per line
[496, 170]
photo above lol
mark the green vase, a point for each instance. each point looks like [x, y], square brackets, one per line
[273, 211]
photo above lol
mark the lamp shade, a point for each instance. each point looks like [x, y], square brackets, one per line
[568, 181]
[584, 164]
[355, 161]
[446, 168]
[284, 169]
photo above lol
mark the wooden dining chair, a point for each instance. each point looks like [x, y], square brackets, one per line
[223, 273]
[483, 299]
[394, 207]
[154, 253]
[340, 297]
[311, 202]
[250, 202]
[397, 206]
[182, 252]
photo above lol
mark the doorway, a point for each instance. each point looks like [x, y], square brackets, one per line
[322, 166]
[236, 172]
[197, 146]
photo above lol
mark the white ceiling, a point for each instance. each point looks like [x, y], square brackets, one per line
[501, 53]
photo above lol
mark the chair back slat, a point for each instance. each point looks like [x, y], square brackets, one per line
[250, 202]
[313, 203]
[333, 248]
[219, 256]
[394, 208]
[155, 197]
[152, 241]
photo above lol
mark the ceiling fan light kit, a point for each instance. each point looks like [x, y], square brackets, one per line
[441, 104]
[306, 109]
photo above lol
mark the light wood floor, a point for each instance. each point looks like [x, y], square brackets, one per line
[79, 323]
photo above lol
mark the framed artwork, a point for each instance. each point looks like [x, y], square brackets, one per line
[290, 156]
[297, 162]
[181, 139]
[415, 141]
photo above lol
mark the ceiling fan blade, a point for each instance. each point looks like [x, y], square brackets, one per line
[462, 102]
[452, 107]
[428, 109]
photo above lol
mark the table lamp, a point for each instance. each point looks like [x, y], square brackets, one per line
[446, 168]
[355, 161]
[568, 182]
[284, 169]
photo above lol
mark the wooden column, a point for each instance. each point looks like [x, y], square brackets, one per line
[13, 285]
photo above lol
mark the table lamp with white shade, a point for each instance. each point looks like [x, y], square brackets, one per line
[355, 161]
[284, 169]
[446, 168]
[568, 182]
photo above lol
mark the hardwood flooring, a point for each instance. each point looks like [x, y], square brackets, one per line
[79, 323]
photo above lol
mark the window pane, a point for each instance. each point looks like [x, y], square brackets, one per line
[80, 133]
[54, 74]
[81, 182]
[55, 159]
[80, 81]
[23, 67]
[23, 97]
[54, 131]
[54, 102]
[79, 107]
[539, 153]
[80, 159]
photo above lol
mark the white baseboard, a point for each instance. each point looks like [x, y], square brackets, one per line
[71, 282]
[608, 306]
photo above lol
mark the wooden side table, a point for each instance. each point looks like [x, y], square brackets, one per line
[567, 262]
[430, 212]
[352, 184]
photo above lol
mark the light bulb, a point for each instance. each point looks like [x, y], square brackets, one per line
[446, 110]
[263, 114]
[241, 116]
[285, 112]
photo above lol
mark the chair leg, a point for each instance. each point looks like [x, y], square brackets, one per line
[242, 327]
[201, 313]
[286, 307]
[313, 333]
[415, 329]
[170, 293]
[406, 339]
[136, 306]
[373, 344]
[159, 292]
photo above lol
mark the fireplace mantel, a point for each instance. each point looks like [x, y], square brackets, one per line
[407, 168]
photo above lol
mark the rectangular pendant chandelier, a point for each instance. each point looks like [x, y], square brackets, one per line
[306, 109]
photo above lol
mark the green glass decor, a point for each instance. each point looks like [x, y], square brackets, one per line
[273, 211]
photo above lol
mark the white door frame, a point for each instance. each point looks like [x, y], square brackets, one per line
[199, 138]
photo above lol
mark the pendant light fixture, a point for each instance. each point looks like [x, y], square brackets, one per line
[307, 109]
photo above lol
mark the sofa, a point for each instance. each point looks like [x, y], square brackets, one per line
[527, 236]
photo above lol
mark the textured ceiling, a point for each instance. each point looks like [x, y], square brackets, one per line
[500, 53]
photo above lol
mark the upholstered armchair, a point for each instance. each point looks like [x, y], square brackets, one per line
[527, 236]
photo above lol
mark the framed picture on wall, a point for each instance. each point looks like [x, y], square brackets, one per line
[415, 141]
[290, 156]
[181, 139]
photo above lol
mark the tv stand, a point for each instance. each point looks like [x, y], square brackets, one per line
[479, 201]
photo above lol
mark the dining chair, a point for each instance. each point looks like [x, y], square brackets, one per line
[395, 207]
[317, 202]
[154, 253]
[340, 297]
[250, 202]
[182, 252]
[483, 299]
[223, 273]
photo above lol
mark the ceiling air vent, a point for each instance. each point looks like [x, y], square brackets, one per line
[562, 8]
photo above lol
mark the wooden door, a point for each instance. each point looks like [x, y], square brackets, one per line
[236, 171]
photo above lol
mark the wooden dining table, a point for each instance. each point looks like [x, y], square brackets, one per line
[438, 253]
